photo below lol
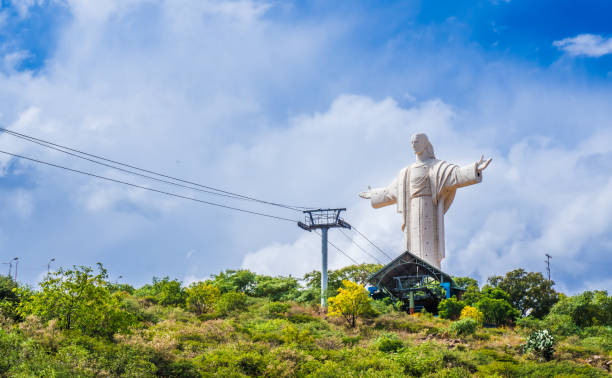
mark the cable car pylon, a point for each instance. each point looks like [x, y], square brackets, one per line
[323, 219]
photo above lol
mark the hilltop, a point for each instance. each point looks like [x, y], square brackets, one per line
[242, 324]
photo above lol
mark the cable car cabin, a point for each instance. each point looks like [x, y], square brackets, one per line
[415, 282]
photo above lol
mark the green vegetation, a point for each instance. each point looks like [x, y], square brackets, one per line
[352, 301]
[541, 343]
[450, 308]
[241, 324]
[528, 292]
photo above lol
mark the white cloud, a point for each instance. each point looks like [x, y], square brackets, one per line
[591, 45]
[21, 202]
[218, 93]
[23, 6]
[538, 198]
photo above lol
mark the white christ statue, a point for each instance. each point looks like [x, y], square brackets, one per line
[423, 192]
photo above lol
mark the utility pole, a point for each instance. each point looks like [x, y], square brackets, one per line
[548, 257]
[323, 219]
[49, 265]
[16, 263]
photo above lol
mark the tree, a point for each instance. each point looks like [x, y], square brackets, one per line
[472, 292]
[450, 308]
[164, 291]
[495, 307]
[276, 288]
[355, 273]
[242, 280]
[8, 297]
[79, 299]
[465, 282]
[358, 273]
[231, 302]
[202, 296]
[587, 309]
[352, 300]
[529, 292]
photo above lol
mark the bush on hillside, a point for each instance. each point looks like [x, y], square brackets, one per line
[277, 309]
[231, 302]
[79, 299]
[541, 343]
[389, 342]
[473, 313]
[242, 281]
[590, 308]
[202, 297]
[464, 327]
[450, 308]
[164, 291]
[276, 288]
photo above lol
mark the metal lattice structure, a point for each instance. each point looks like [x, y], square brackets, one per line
[323, 219]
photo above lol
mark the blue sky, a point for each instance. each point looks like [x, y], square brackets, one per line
[305, 103]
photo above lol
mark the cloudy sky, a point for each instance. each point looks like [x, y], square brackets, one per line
[306, 104]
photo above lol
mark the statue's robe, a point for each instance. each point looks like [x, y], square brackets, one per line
[423, 192]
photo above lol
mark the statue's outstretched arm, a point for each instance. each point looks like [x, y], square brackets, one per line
[482, 164]
[367, 194]
[381, 196]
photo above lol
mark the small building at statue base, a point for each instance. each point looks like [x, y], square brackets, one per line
[415, 282]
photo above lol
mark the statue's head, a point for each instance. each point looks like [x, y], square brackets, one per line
[422, 147]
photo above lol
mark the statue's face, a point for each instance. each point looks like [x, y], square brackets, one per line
[418, 144]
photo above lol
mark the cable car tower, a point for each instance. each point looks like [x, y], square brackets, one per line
[323, 219]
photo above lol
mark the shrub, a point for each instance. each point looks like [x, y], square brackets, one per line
[163, 291]
[562, 325]
[530, 323]
[497, 311]
[9, 299]
[541, 343]
[473, 313]
[429, 358]
[389, 342]
[465, 326]
[242, 281]
[232, 302]
[450, 308]
[276, 288]
[587, 309]
[78, 299]
[201, 297]
[277, 309]
[381, 307]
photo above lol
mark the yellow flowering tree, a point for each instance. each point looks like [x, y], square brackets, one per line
[470, 312]
[352, 300]
[202, 296]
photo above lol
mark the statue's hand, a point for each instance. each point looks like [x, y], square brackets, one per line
[367, 194]
[482, 164]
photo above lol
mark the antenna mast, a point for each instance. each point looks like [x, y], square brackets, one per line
[548, 257]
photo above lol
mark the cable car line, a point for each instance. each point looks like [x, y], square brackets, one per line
[338, 249]
[146, 188]
[360, 247]
[213, 191]
[371, 242]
